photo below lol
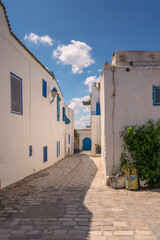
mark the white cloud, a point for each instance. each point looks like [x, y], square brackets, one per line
[82, 122]
[77, 105]
[99, 70]
[77, 54]
[32, 37]
[90, 80]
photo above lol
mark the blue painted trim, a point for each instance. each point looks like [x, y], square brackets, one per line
[154, 88]
[68, 138]
[57, 149]
[45, 154]
[58, 108]
[21, 94]
[64, 112]
[98, 112]
[44, 88]
[30, 151]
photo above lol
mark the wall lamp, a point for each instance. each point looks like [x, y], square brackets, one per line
[54, 93]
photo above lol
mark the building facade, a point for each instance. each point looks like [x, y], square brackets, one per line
[95, 118]
[130, 94]
[36, 132]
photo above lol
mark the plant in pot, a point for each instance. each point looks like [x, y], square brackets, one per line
[131, 177]
[98, 149]
[117, 181]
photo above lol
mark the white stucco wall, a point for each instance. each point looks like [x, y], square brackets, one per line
[95, 119]
[133, 105]
[38, 126]
[83, 133]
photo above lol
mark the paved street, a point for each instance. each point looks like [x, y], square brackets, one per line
[70, 201]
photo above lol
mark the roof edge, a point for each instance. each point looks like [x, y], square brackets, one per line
[25, 48]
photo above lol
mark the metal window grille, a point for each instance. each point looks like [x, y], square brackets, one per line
[156, 95]
[16, 94]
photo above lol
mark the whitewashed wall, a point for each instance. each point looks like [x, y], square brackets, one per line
[133, 105]
[38, 126]
[83, 133]
[95, 119]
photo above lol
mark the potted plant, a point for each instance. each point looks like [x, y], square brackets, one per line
[117, 181]
[131, 177]
[98, 149]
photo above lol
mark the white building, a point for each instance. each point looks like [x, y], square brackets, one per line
[95, 118]
[34, 133]
[85, 142]
[130, 94]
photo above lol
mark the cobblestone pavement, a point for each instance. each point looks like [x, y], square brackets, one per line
[70, 201]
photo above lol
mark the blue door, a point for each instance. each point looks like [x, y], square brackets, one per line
[86, 144]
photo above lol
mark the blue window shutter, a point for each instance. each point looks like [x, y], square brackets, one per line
[30, 151]
[69, 138]
[45, 154]
[57, 149]
[44, 88]
[98, 108]
[64, 113]
[58, 108]
[156, 95]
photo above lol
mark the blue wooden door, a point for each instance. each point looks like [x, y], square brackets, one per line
[86, 144]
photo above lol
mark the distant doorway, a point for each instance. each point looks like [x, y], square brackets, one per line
[87, 144]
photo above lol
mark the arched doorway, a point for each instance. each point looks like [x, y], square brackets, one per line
[87, 144]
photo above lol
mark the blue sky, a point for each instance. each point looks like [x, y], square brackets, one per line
[75, 38]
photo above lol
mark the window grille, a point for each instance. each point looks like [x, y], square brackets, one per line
[156, 95]
[16, 94]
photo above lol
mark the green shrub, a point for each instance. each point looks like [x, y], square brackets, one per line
[142, 143]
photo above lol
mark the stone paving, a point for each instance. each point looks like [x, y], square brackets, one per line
[70, 201]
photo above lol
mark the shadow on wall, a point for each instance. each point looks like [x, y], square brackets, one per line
[51, 201]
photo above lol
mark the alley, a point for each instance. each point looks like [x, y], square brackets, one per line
[70, 201]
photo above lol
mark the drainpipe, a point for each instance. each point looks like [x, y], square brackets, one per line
[113, 69]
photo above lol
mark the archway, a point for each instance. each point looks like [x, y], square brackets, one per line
[87, 144]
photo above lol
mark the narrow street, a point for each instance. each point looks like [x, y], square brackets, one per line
[70, 201]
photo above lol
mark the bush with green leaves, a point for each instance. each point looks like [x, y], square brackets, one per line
[142, 144]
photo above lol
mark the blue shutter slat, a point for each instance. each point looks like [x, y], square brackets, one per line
[45, 154]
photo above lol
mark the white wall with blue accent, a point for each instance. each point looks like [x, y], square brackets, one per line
[28, 121]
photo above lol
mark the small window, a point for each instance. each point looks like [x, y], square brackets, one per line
[44, 88]
[64, 114]
[68, 138]
[156, 95]
[30, 151]
[16, 94]
[58, 108]
[98, 108]
[58, 148]
[45, 154]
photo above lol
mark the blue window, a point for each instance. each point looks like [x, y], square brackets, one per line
[64, 113]
[45, 154]
[30, 151]
[58, 108]
[16, 94]
[58, 148]
[44, 88]
[68, 138]
[98, 108]
[156, 95]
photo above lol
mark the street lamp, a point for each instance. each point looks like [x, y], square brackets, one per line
[54, 93]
